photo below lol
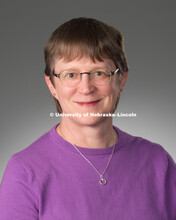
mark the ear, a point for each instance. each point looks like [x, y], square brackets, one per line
[50, 86]
[123, 80]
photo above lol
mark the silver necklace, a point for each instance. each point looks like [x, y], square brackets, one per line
[102, 180]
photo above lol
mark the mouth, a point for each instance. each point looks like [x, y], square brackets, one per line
[88, 104]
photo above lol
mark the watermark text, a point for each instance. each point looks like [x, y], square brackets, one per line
[88, 114]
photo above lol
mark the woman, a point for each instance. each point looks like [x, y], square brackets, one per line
[84, 167]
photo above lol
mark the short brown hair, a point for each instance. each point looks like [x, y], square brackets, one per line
[81, 37]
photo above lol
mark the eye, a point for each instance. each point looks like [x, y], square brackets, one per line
[99, 73]
[102, 74]
[70, 75]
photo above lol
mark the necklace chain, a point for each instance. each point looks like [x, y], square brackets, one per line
[102, 180]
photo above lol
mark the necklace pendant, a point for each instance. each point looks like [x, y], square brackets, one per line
[102, 181]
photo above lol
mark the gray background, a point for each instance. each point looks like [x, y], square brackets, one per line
[149, 31]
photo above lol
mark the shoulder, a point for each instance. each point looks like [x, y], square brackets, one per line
[137, 142]
[141, 149]
[149, 158]
[33, 162]
[36, 154]
[36, 148]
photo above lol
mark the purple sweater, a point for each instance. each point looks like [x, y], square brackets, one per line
[50, 180]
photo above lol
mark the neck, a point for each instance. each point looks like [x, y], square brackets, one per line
[100, 135]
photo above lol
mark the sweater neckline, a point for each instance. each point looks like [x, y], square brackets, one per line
[62, 143]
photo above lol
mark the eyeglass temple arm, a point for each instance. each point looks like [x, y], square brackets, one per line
[57, 75]
[116, 71]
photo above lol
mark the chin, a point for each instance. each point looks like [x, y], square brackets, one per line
[87, 120]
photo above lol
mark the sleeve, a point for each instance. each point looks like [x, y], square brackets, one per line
[170, 188]
[17, 200]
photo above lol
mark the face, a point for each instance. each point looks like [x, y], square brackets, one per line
[86, 97]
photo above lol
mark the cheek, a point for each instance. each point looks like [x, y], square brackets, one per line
[116, 87]
[64, 94]
[114, 95]
[113, 91]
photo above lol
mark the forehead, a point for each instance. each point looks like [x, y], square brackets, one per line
[83, 64]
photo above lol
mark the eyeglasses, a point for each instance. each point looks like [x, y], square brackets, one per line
[72, 78]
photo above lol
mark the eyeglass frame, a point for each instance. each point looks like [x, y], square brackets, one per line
[89, 73]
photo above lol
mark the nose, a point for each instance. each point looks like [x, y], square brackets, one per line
[85, 86]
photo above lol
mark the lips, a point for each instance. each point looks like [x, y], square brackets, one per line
[88, 104]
